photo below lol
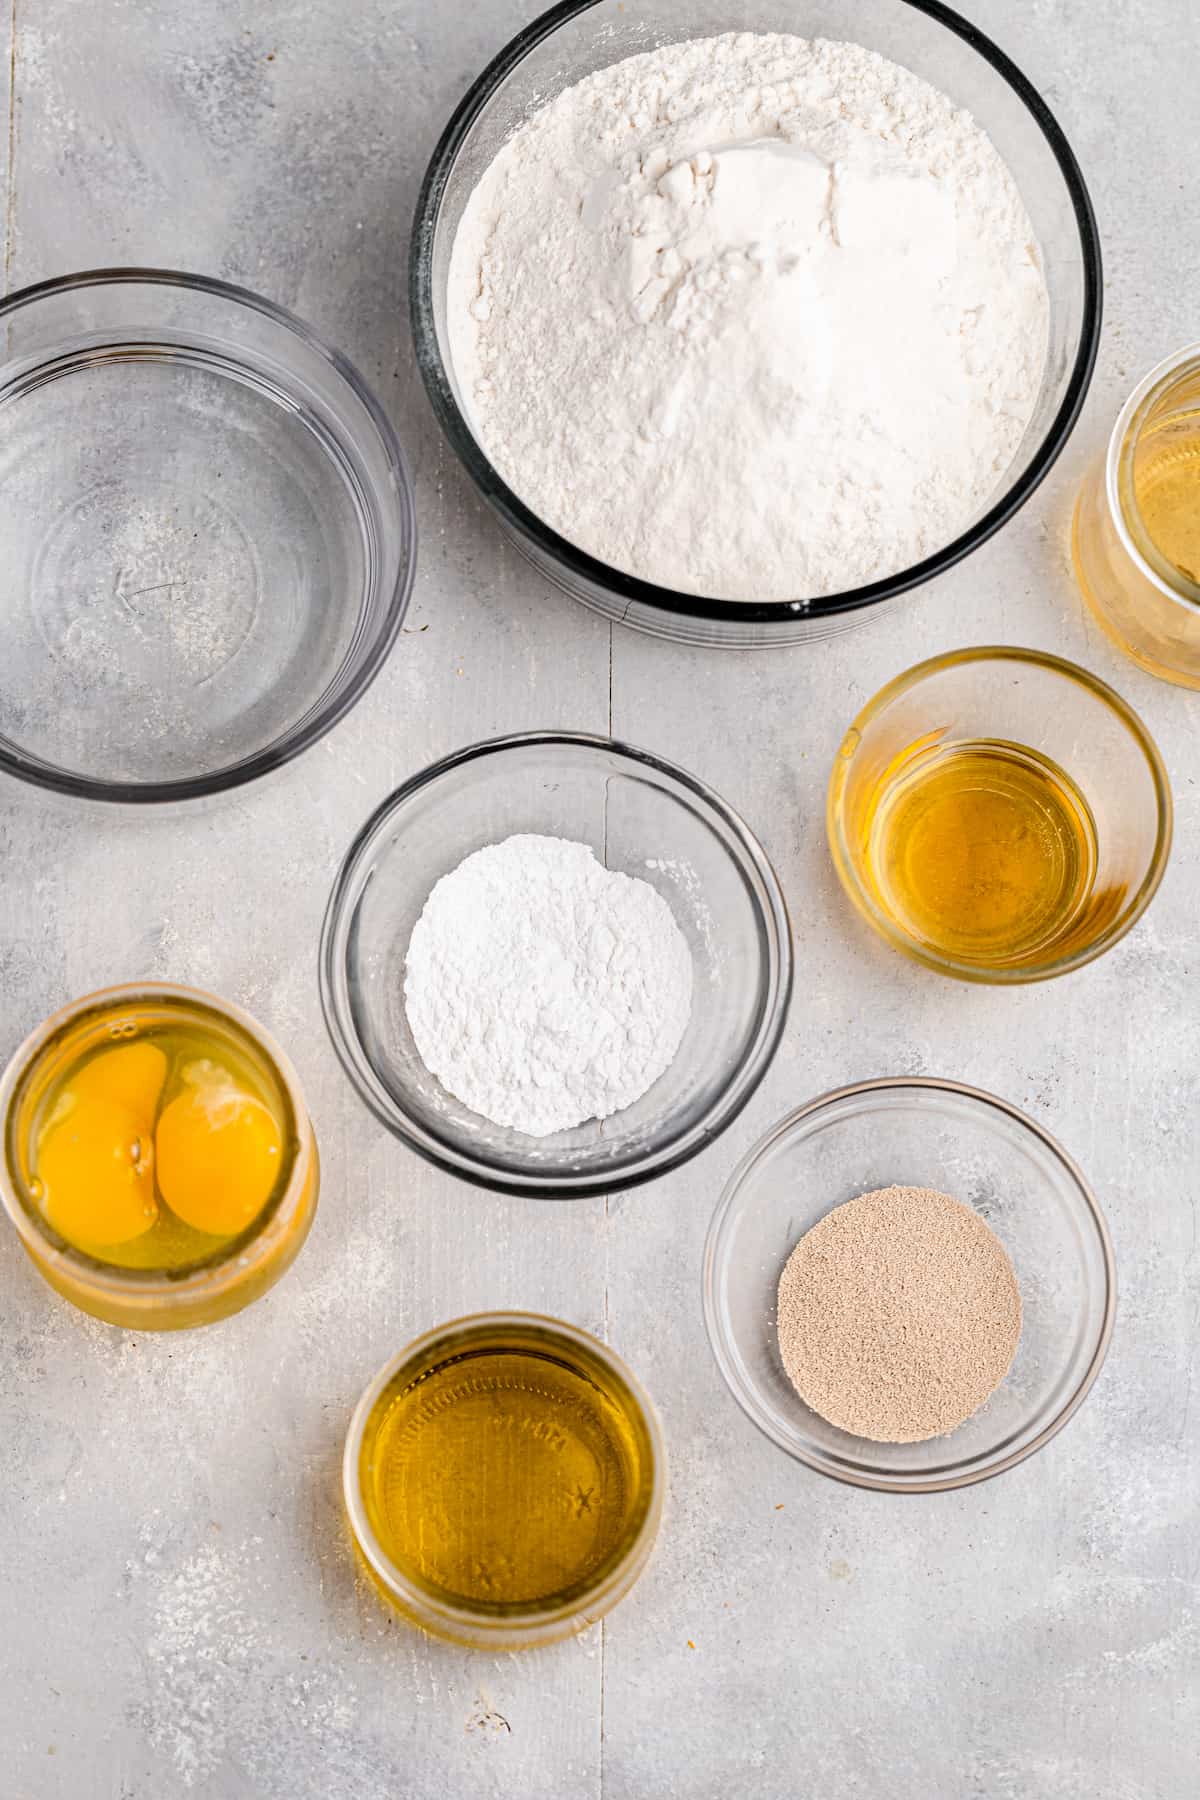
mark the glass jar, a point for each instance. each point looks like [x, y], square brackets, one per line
[503, 1479]
[241, 1268]
[1147, 603]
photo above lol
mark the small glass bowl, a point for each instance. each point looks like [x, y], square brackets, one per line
[515, 1626]
[1148, 606]
[571, 41]
[640, 815]
[1047, 705]
[209, 535]
[156, 1299]
[918, 1133]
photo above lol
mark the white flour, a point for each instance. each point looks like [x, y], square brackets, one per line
[750, 316]
[543, 989]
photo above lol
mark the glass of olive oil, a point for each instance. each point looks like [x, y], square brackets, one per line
[1000, 815]
[159, 1163]
[1136, 534]
[503, 1478]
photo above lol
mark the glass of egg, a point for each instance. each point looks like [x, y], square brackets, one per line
[159, 1163]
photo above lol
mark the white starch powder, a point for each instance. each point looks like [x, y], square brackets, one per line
[543, 989]
[750, 316]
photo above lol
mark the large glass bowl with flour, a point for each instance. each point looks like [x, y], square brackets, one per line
[917, 1132]
[641, 817]
[573, 41]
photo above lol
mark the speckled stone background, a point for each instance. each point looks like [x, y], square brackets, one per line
[179, 1612]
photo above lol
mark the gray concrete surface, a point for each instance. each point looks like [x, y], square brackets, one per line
[179, 1613]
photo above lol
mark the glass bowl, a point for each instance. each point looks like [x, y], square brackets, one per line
[640, 815]
[573, 40]
[209, 535]
[242, 1268]
[920, 1133]
[1045, 705]
[598, 1381]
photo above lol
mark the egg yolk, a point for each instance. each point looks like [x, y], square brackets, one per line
[131, 1075]
[218, 1154]
[95, 1157]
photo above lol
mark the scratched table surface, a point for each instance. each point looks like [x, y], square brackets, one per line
[179, 1608]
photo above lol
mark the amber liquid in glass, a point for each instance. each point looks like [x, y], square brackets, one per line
[982, 850]
[1166, 486]
[504, 1476]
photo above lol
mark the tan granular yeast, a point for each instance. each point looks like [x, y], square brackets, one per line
[899, 1313]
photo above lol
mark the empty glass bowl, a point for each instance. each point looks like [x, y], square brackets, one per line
[917, 1133]
[1056, 714]
[640, 815]
[208, 535]
[572, 41]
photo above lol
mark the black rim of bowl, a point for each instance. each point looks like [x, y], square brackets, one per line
[320, 718]
[553, 1185]
[668, 600]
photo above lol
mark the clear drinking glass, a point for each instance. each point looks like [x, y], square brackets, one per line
[241, 1269]
[573, 40]
[1148, 605]
[1045, 705]
[915, 1132]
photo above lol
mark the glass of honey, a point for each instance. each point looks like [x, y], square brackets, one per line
[159, 1163]
[504, 1478]
[1136, 535]
[999, 815]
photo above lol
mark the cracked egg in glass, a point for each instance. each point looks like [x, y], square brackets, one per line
[159, 1164]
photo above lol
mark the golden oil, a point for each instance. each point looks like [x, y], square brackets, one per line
[982, 850]
[505, 1468]
[1135, 535]
[1165, 472]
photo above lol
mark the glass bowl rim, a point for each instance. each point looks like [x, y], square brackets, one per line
[615, 1581]
[115, 1280]
[321, 719]
[718, 1338]
[947, 965]
[634, 591]
[734, 1096]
